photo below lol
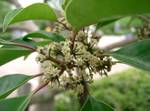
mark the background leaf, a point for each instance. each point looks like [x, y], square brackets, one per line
[95, 105]
[44, 35]
[103, 23]
[38, 11]
[4, 8]
[10, 83]
[136, 54]
[103, 10]
[9, 54]
[15, 104]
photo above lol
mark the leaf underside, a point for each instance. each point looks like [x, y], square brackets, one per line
[79, 15]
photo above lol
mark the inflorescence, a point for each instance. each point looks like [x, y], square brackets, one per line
[69, 64]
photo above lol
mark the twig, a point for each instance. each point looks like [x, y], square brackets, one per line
[37, 75]
[40, 87]
[54, 60]
[73, 40]
[25, 46]
[64, 25]
[144, 18]
[83, 96]
[4, 42]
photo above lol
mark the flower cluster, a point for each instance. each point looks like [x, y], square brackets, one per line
[70, 68]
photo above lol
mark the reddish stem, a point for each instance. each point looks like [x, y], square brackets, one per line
[40, 87]
[26, 46]
[37, 75]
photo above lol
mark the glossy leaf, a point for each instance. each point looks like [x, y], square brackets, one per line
[44, 35]
[38, 11]
[33, 43]
[80, 15]
[9, 54]
[136, 54]
[17, 43]
[42, 43]
[10, 83]
[15, 104]
[29, 42]
[95, 105]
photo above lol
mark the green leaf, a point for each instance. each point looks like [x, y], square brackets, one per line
[10, 83]
[38, 11]
[136, 54]
[95, 105]
[4, 42]
[44, 35]
[9, 54]
[15, 104]
[29, 42]
[79, 15]
[17, 43]
[33, 43]
[42, 43]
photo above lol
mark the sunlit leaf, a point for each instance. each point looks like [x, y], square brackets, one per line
[44, 35]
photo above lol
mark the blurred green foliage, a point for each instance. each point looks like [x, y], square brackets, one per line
[66, 101]
[127, 25]
[125, 91]
[5, 7]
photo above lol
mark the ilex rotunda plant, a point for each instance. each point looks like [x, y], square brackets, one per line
[72, 63]
[67, 47]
